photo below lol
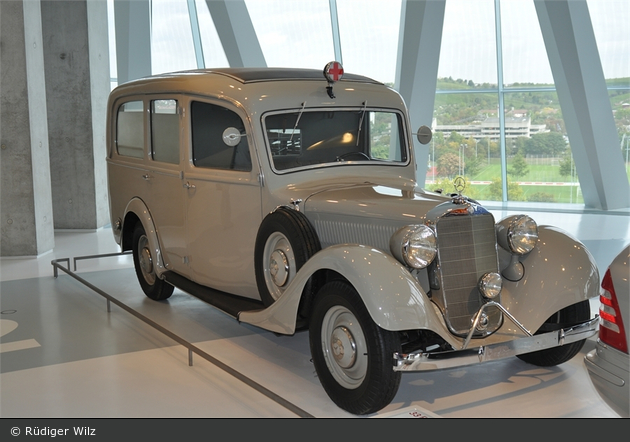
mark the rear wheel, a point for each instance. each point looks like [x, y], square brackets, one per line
[352, 355]
[566, 317]
[143, 260]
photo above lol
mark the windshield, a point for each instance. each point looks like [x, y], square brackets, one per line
[310, 138]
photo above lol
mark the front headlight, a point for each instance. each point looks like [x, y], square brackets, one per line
[414, 245]
[517, 234]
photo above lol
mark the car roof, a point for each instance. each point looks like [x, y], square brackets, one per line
[274, 88]
[261, 74]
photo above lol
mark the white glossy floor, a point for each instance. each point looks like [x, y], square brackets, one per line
[62, 354]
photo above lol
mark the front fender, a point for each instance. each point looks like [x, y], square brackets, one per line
[391, 294]
[140, 209]
[559, 272]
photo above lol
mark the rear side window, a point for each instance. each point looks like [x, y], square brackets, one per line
[165, 131]
[218, 138]
[130, 130]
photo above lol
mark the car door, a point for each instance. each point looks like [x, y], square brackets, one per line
[127, 167]
[223, 199]
[167, 197]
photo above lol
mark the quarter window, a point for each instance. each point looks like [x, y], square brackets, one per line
[130, 130]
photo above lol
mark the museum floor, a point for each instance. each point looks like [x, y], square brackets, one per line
[62, 354]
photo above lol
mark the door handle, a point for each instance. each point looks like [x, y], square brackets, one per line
[146, 177]
[187, 185]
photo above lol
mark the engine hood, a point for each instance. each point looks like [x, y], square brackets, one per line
[367, 214]
[374, 202]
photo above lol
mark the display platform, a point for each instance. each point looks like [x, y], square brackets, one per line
[81, 360]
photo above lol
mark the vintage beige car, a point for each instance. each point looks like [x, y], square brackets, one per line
[287, 199]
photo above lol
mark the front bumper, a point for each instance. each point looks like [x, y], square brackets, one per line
[419, 361]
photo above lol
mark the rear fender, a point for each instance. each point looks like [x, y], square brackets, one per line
[139, 208]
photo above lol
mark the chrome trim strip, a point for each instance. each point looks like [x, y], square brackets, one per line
[432, 361]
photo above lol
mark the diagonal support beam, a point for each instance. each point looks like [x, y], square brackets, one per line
[133, 39]
[421, 24]
[236, 32]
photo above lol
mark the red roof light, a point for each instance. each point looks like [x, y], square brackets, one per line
[333, 71]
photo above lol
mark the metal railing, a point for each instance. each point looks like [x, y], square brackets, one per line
[192, 349]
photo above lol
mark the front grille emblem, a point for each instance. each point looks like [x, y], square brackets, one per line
[460, 184]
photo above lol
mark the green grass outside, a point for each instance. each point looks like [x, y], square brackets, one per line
[543, 173]
[551, 194]
[533, 193]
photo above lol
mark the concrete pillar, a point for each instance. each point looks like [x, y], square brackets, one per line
[419, 44]
[76, 57]
[579, 78]
[26, 213]
[236, 32]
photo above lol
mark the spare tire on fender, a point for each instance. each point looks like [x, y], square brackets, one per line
[285, 241]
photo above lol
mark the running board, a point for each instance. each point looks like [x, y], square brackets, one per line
[231, 304]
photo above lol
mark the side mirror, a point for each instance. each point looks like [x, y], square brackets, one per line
[424, 135]
[231, 136]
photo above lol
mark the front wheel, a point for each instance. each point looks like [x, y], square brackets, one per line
[566, 317]
[353, 356]
[143, 260]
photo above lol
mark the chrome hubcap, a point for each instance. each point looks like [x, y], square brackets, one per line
[279, 264]
[145, 260]
[279, 268]
[343, 347]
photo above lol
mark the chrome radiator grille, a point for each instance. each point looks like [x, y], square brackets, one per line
[466, 251]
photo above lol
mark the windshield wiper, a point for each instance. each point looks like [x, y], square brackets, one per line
[361, 123]
[297, 121]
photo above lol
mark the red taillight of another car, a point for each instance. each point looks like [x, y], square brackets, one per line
[611, 330]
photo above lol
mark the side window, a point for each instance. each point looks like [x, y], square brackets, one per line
[165, 131]
[218, 138]
[130, 130]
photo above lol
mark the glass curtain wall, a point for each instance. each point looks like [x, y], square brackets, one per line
[293, 33]
[497, 115]
[496, 118]
[368, 31]
[172, 47]
[610, 23]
